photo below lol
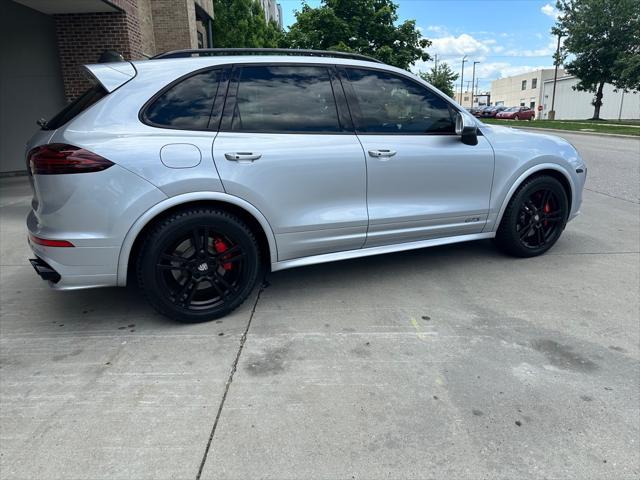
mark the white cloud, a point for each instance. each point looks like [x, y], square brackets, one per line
[463, 44]
[550, 11]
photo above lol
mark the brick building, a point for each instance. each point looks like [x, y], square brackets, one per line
[44, 43]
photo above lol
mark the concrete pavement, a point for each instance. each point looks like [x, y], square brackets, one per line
[452, 362]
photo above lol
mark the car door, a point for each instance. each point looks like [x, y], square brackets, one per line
[422, 181]
[287, 146]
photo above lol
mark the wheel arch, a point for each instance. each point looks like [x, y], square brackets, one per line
[247, 212]
[551, 169]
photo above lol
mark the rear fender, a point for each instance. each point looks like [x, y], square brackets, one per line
[184, 199]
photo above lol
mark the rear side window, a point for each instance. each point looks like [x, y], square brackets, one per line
[391, 104]
[76, 107]
[186, 105]
[285, 99]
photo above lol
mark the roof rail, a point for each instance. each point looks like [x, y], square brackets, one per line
[203, 52]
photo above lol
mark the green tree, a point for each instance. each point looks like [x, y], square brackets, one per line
[603, 39]
[242, 24]
[368, 27]
[442, 77]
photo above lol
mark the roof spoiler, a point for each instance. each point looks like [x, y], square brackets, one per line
[112, 75]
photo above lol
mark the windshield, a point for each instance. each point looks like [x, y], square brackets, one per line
[512, 109]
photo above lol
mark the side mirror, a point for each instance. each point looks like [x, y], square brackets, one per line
[468, 132]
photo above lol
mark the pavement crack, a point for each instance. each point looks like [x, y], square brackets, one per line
[612, 196]
[234, 367]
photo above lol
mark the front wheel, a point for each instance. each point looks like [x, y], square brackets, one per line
[198, 264]
[534, 219]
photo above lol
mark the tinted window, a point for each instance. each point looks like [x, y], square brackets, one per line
[76, 107]
[186, 105]
[392, 104]
[285, 99]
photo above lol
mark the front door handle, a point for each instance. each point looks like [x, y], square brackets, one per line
[242, 156]
[382, 153]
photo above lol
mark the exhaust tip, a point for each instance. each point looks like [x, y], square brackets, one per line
[44, 270]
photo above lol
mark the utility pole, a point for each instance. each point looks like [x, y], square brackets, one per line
[473, 81]
[464, 59]
[435, 68]
[621, 102]
[552, 113]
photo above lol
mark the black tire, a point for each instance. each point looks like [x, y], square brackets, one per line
[534, 219]
[190, 283]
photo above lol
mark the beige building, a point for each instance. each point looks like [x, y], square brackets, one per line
[522, 90]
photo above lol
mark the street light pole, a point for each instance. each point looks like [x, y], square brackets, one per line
[473, 82]
[552, 113]
[464, 59]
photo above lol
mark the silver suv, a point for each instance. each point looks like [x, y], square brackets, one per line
[196, 170]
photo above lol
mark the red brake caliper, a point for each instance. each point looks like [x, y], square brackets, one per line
[222, 247]
[547, 209]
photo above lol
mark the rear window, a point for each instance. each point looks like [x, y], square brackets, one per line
[186, 105]
[76, 107]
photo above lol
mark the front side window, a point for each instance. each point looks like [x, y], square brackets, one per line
[187, 105]
[391, 104]
[285, 99]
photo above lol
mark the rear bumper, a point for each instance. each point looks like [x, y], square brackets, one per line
[76, 267]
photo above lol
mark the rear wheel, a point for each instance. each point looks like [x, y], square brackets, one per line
[534, 219]
[198, 264]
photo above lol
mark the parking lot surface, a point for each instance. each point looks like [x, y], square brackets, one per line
[451, 362]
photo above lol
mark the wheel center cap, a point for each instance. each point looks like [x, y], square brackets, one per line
[203, 267]
[537, 218]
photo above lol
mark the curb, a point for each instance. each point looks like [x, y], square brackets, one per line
[555, 130]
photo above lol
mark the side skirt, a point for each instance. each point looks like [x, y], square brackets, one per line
[367, 252]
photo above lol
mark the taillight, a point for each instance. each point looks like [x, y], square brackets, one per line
[60, 158]
[50, 243]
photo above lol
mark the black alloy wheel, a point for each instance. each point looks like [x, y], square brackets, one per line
[534, 218]
[199, 265]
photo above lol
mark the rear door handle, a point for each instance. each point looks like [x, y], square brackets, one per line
[242, 156]
[382, 153]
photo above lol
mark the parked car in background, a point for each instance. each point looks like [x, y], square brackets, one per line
[492, 111]
[517, 113]
[193, 174]
[479, 110]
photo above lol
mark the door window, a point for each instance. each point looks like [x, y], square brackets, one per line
[187, 105]
[285, 99]
[391, 104]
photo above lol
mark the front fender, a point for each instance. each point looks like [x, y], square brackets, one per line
[503, 198]
[163, 206]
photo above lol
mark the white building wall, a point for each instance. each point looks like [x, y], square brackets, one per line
[574, 105]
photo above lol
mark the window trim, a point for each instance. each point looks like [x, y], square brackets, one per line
[215, 116]
[354, 105]
[339, 98]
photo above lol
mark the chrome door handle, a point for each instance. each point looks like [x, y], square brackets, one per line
[242, 156]
[382, 153]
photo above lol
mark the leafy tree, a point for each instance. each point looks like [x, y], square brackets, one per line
[368, 27]
[603, 37]
[241, 23]
[442, 77]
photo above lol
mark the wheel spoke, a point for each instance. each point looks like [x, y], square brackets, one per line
[525, 231]
[545, 199]
[540, 237]
[192, 293]
[234, 254]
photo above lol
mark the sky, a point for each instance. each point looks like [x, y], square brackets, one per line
[507, 37]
